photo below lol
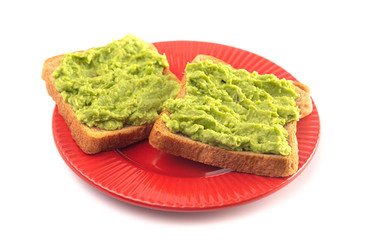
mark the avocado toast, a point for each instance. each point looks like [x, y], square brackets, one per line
[238, 152]
[110, 96]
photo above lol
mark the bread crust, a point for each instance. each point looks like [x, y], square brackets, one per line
[241, 161]
[93, 140]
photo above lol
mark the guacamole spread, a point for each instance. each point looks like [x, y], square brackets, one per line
[115, 85]
[234, 109]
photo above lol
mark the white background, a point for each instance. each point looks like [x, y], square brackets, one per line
[329, 45]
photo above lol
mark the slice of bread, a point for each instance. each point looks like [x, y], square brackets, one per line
[242, 161]
[91, 139]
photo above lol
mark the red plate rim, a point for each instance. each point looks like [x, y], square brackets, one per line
[127, 181]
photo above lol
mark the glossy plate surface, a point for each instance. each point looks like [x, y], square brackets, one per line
[144, 176]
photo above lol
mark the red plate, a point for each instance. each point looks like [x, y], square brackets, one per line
[144, 176]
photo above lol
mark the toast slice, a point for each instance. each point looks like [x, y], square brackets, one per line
[92, 139]
[241, 161]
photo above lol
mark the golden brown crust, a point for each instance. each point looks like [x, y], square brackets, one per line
[93, 140]
[304, 101]
[242, 161]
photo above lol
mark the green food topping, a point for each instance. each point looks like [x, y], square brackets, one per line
[234, 109]
[119, 84]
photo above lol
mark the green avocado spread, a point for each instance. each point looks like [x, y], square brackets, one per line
[119, 84]
[234, 109]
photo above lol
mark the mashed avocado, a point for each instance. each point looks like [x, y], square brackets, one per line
[234, 109]
[115, 85]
